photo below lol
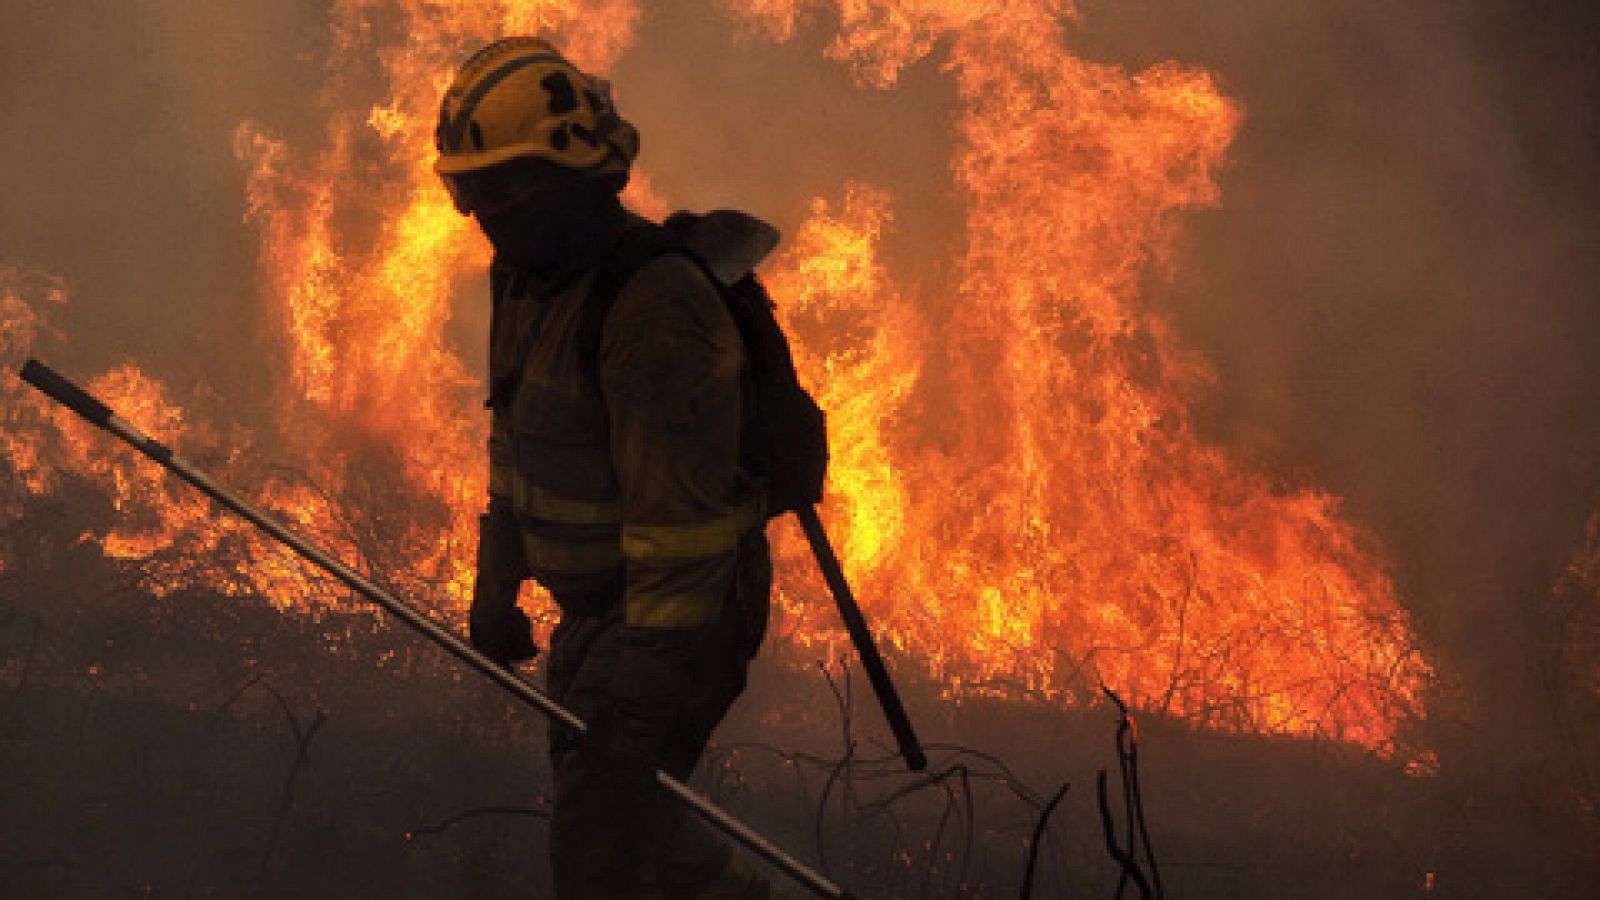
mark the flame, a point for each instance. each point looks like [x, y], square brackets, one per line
[363, 306]
[21, 441]
[1017, 487]
[1080, 532]
[41, 440]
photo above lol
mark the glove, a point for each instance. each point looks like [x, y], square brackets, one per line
[503, 635]
[495, 626]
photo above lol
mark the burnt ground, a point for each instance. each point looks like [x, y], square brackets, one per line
[202, 746]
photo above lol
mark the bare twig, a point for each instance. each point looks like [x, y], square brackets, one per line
[1133, 805]
[442, 826]
[303, 733]
[1038, 837]
[941, 863]
[1130, 866]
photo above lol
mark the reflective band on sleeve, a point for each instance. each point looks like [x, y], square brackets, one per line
[570, 557]
[697, 540]
[543, 503]
[670, 610]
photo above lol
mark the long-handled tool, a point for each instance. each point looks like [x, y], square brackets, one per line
[856, 625]
[84, 404]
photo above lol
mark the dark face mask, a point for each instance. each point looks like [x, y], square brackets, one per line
[553, 230]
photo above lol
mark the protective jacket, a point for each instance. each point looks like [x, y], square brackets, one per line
[622, 470]
[616, 482]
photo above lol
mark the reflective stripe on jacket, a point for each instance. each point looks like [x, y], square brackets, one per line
[629, 484]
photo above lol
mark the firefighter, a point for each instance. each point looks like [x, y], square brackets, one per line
[615, 476]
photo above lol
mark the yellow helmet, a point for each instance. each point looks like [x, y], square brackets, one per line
[518, 97]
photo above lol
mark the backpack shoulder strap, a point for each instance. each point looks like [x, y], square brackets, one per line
[727, 245]
[629, 252]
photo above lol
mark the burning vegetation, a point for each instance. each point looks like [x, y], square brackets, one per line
[1017, 484]
[1025, 490]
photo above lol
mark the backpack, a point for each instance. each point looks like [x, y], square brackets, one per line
[784, 439]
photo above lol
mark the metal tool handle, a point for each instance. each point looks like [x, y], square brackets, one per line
[856, 624]
[86, 405]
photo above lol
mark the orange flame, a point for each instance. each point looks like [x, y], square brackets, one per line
[22, 443]
[1079, 531]
[1039, 518]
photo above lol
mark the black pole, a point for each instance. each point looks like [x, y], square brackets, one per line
[861, 636]
[86, 405]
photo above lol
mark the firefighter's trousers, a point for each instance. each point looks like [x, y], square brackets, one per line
[610, 839]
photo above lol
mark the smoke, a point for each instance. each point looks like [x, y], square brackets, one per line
[732, 119]
[119, 174]
[1397, 293]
